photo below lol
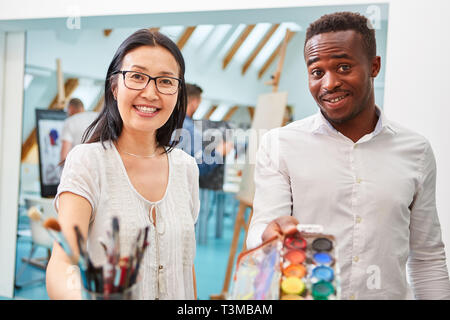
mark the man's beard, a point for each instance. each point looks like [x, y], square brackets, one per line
[355, 112]
[351, 116]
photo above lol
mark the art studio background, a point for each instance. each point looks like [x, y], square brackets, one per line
[230, 52]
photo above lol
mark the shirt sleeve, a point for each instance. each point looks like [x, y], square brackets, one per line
[426, 265]
[66, 134]
[191, 142]
[203, 167]
[81, 177]
[273, 197]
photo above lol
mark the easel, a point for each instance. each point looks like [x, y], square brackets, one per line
[61, 91]
[243, 203]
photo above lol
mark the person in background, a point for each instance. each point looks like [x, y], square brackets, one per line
[75, 125]
[129, 168]
[74, 106]
[194, 96]
[193, 145]
[366, 179]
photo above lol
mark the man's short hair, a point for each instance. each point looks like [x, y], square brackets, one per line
[342, 21]
[193, 90]
[75, 102]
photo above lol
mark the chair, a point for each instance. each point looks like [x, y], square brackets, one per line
[39, 238]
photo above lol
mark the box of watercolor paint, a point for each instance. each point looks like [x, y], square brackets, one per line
[310, 267]
[301, 266]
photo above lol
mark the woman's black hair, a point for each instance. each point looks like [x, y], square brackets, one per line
[108, 125]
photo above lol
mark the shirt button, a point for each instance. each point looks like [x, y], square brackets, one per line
[356, 258]
[358, 180]
[358, 219]
[352, 297]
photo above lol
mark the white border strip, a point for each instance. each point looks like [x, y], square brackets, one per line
[12, 62]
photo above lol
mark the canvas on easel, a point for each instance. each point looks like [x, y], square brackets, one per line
[269, 114]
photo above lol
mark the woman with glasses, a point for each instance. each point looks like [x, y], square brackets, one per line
[128, 168]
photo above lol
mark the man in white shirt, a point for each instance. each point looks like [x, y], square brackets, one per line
[365, 179]
[75, 125]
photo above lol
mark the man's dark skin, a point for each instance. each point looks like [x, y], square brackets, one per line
[338, 67]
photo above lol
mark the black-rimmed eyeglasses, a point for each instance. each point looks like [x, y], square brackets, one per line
[135, 80]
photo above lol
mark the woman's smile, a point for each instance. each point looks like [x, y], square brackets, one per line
[146, 111]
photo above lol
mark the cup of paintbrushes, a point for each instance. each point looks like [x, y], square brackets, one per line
[119, 273]
[131, 293]
[121, 292]
[123, 285]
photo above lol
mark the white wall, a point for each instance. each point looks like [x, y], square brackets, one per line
[418, 84]
[12, 50]
[2, 73]
[30, 9]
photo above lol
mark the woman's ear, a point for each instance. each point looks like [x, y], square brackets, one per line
[113, 84]
[114, 92]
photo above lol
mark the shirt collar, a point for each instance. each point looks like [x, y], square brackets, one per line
[385, 122]
[322, 125]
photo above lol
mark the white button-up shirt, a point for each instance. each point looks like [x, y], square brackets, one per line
[376, 196]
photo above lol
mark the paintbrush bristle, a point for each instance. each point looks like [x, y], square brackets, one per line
[52, 223]
[115, 224]
[34, 214]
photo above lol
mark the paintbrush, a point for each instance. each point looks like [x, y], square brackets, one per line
[109, 272]
[111, 275]
[145, 244]
[52, 223]
[34, 214]
[134, 254]
[139, 255]
[98, 279]
[105, 248]
[54, 229]
[128, 272]
[116, 252]
[81, 246]
[123, 264]
[83, 261]
[116, 239]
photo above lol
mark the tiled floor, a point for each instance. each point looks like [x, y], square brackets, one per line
[212, 258]
[210, 262]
